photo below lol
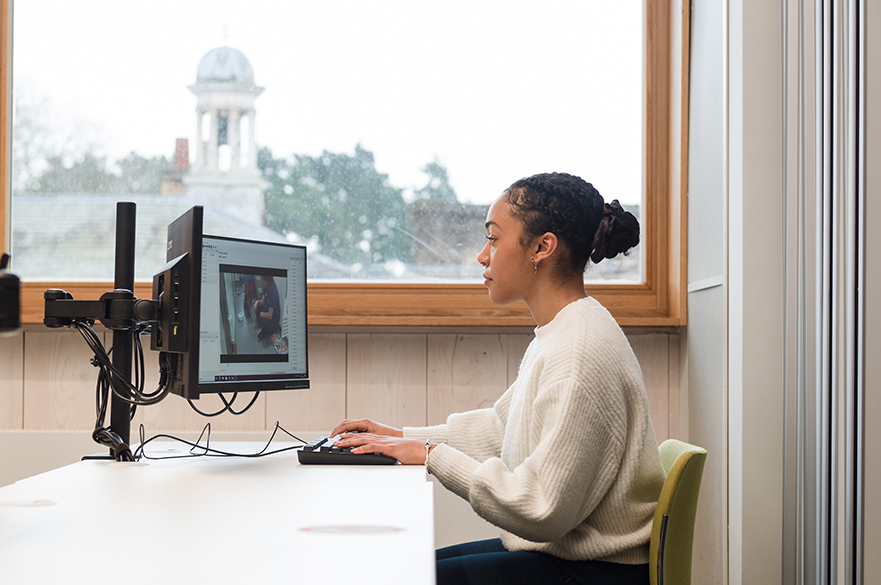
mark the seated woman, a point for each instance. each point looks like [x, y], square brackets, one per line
[566, 462]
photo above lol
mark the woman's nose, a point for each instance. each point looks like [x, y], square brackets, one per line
[483, 257]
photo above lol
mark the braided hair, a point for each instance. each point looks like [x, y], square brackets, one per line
[573, 210]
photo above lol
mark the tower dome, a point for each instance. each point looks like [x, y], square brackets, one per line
[225, 65]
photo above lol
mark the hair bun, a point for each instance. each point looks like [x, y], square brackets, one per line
[618, 233]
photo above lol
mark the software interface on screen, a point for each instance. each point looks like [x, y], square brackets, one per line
[253, 312]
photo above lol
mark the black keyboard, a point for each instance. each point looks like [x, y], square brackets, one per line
[322, 451]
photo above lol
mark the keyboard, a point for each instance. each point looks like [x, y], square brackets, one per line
[323, 452]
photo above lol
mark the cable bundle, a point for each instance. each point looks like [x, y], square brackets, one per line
[111, 379]
[132, 392]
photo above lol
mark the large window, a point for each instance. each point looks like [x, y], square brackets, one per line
[374, 133]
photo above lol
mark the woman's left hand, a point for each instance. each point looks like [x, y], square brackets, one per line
[407, 451]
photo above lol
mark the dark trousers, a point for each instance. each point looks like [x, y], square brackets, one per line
[486, 562]
[268, 326]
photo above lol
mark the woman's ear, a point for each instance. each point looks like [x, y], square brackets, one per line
[545, 246]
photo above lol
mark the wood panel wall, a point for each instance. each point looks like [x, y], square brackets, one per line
[401, 378]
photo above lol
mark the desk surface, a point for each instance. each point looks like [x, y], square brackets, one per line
[218, 520]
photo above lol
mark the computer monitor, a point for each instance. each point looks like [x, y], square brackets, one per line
[233, 312]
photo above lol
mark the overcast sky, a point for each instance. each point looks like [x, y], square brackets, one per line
[495, 90]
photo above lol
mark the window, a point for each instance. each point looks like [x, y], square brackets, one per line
[394, 260]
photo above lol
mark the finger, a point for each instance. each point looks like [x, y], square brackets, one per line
[373, 448]
[350, 439]
[346, 425]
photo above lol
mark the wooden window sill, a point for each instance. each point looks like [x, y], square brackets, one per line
[456, 305]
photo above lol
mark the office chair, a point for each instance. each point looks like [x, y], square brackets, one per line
[673, 526]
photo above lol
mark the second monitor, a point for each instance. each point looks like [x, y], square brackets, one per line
[250, 298]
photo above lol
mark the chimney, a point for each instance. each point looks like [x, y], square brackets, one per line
[181, 160]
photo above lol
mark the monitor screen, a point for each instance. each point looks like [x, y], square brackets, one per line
[232, 313]
[252, 326]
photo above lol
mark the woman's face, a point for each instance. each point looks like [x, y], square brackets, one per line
[508, 271]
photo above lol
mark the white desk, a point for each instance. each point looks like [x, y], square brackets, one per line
[218, 520]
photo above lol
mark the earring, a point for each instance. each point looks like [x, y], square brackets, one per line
[534, 265]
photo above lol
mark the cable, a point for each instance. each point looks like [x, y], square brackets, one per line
[210, 414]
[206, 450]
[116, 380]
[118, 448]
[227, 405]
[242, 411]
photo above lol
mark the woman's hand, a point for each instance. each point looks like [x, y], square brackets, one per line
[407, 451]
[366, 426]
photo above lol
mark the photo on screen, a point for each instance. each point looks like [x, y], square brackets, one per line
[253, 302]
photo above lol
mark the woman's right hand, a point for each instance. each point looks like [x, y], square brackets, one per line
[366, 426]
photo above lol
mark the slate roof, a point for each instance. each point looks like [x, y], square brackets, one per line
[71, 236]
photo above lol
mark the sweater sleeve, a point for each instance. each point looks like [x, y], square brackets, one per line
[473, 437]
[477, 434]
[435, 434]
[574, 462]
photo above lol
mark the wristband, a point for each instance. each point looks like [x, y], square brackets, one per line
[427, 449]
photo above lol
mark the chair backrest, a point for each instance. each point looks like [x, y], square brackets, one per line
[673, 526]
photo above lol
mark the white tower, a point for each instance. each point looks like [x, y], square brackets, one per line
[225, 175]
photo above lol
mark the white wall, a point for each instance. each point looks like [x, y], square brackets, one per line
[706, 338]
[735, 329]
[755, 297]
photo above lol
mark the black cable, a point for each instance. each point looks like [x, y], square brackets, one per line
[119, 449]
[117, 381]
[102, 435]
[101, 398]
[206, 450]
[227, 405]
[242, 411]
[210, 414]
[163, 388]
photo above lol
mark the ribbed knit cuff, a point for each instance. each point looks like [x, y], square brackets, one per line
[453, 468]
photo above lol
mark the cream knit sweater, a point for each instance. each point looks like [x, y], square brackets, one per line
[566, 461]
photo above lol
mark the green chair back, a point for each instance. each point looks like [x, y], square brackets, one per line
[673, 526]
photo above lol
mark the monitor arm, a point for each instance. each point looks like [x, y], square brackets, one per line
[118, 310]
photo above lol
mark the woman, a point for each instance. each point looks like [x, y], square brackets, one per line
[566, 462]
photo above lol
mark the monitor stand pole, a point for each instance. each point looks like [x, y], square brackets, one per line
[124, 278]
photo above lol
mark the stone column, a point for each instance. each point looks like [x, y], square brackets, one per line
[233, 136]
[252, 145]
[200, 144]
[212, 141]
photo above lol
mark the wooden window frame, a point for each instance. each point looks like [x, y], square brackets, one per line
[658, 302]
